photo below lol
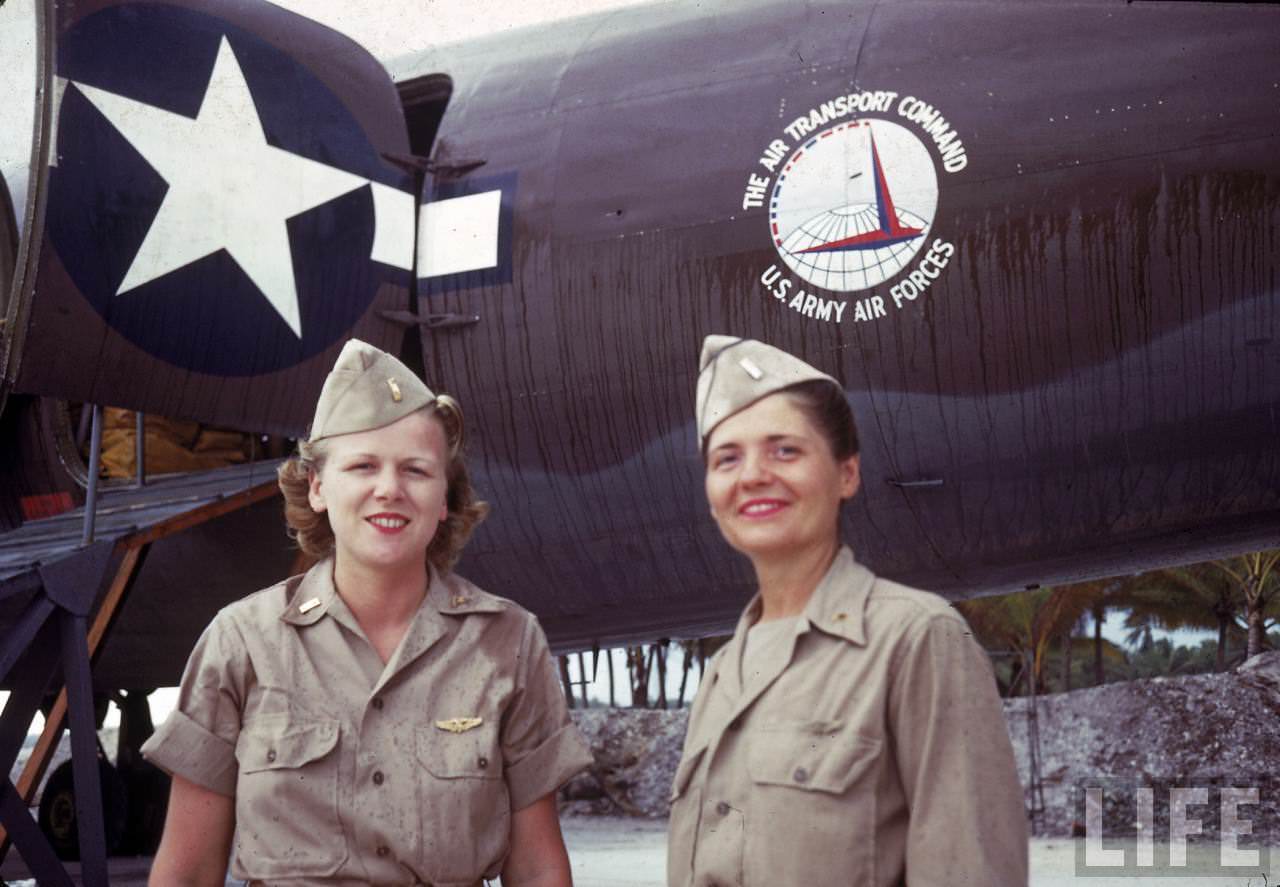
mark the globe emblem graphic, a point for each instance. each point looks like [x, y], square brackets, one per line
[854, 204]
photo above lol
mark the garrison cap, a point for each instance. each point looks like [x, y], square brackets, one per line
[366, 389]
[734, 373]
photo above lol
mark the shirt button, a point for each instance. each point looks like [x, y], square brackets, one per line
[483, 762]
[722, 808]
[383, 850]
[378, 777]
[801, 775]
[271, 756]
[377, 703]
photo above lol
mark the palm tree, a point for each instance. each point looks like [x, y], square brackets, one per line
[1197, 596]
[1258, 578]
[639, 665]
[1092, 600]
[1100, 595]
[1026, 623]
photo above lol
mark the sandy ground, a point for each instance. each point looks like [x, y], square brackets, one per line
[614, 852]
[617, 852]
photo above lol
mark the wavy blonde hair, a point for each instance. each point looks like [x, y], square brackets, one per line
[311, 531]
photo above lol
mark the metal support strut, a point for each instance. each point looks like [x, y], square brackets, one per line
[52, 636]
[140, 448]
[95, 466]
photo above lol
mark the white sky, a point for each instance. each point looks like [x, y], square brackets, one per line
[393, 28]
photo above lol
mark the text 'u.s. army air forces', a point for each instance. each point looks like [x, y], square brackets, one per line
[851, 201]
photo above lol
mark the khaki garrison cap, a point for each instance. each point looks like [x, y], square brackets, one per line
[734, 373]
[366, 389]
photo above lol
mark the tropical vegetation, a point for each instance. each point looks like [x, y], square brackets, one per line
[1045, 640]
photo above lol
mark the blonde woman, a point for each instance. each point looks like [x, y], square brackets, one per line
[378, 720]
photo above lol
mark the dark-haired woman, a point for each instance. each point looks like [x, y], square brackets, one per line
[850, 732]
[378, 720]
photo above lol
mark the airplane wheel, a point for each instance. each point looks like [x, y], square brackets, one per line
[58, 810]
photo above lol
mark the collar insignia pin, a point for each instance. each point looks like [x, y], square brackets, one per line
[308, 606]
[752, 370]
[395, 390]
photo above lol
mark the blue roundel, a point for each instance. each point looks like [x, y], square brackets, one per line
[199, 261]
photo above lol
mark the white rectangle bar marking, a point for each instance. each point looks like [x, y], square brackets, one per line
[393, 226]
[458, 234]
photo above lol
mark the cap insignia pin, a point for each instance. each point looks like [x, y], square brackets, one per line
[459, 725]
[752, 370]
[395, 390]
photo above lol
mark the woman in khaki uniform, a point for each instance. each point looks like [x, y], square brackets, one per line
[850, 732]
[378, 720]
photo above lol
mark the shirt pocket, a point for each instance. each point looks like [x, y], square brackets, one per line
[463, 803]
[815, 757]
[811, 808]
[287, 799]
[471, 754]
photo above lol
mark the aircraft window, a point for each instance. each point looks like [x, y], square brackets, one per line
[424, 100]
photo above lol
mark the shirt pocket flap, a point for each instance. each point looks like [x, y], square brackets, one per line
[471, 754]
[822, 757]
[685, 770]
[290, 747]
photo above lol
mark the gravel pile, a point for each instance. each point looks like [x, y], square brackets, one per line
[1209, 731]
[636, 753]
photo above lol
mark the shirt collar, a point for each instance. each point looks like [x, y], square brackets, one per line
[316, 596]
[452, 595]
[838, 605]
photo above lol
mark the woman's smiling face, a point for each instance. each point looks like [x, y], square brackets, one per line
[772, 481]
[384, 491]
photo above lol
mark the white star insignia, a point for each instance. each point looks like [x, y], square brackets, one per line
[228, 188]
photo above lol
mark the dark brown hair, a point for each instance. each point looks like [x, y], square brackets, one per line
[827, 408]
[311, 530]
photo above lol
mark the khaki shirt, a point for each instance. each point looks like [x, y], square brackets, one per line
[344, 770]
[870, 750]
